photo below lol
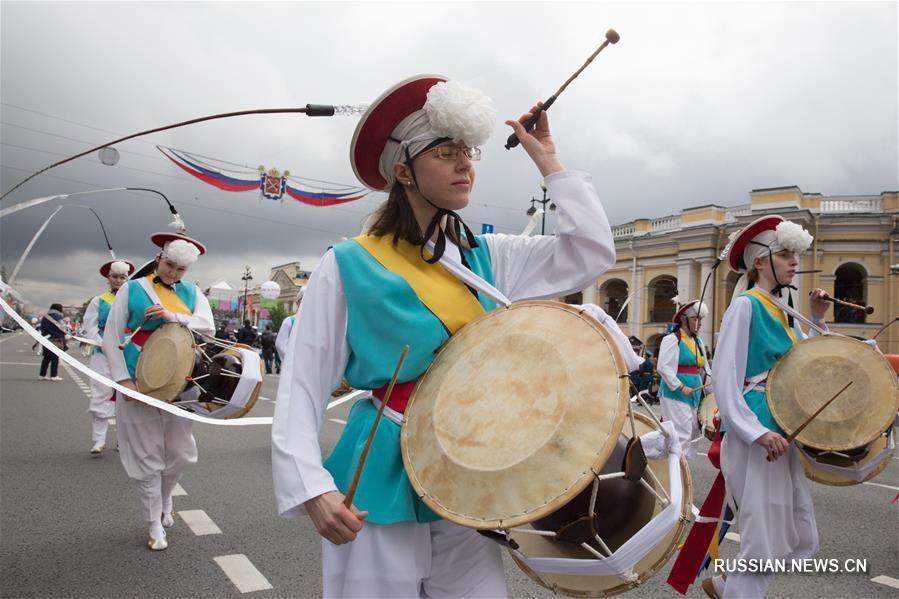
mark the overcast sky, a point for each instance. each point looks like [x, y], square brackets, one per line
[698, 103]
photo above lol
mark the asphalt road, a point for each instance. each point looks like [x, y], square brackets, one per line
[69, 525]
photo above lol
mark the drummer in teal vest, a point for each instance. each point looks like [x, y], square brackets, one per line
[102, 406]
[683, 367]
[414, 277]
[762, 471]
[155, 447]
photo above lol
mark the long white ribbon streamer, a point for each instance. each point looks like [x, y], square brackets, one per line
[34, 202]
[151, 401]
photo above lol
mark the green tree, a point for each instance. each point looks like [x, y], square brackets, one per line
[276, 316]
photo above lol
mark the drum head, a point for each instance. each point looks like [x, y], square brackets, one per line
[514, 415]
[165, 362]
[812, 371]
[707, 410]
[534, 546]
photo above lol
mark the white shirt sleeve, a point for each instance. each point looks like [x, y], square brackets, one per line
[115, 334]
[631, 359]
[201, 320]
[547, 266]
[90, 324]
[282, 339]
[318, 358]
[729, 372]
[669, 356]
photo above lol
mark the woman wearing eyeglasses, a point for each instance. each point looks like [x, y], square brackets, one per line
[414, 277]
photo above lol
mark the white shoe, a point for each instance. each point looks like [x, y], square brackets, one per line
[168, 519]
[97, 448]
[55, 378]
[157, 544]
[44, 378]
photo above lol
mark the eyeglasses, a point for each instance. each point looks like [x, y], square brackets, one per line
[452, 152]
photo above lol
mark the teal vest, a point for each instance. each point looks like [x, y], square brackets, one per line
[685, 358]
[103, 315]
[383, 315]
[138, 301]
[768, 341]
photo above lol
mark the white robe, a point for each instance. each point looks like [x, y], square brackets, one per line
[777, 517]
[523, 268]
[283, 339]
[101, 407]
[681, 414]
[155, 447]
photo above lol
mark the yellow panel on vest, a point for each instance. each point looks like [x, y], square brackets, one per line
[775, 311]
[170, 300]
[444, 295]
[691, 347]
[108, 297]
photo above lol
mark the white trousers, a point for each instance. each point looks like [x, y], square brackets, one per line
[155, 448]
[777, 517]
[101, 407]
[684, 418]
[408, 559]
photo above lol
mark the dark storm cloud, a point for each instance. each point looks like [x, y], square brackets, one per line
[699, 103]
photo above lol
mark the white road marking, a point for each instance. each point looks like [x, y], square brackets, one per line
[886, 580]
[20, 363]
[178, 491]
[880, 485]
[263, 398]
[199, 523]
[112, 423]
[732, 536]
[346, 398]
[242, 573]
[337, 420]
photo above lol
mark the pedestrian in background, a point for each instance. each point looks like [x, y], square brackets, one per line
[53, 327]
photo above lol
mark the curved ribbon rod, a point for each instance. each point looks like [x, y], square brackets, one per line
[40, 231]
[151, 401]
[309, 109]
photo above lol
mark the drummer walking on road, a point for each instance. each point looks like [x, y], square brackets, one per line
[683, 364]
[155, 446]
[417, 277]
[762, 471]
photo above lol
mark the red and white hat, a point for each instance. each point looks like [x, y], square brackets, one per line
[768, 234]
[411, 115]
[118, 268]
[735, 255]
[691, 308]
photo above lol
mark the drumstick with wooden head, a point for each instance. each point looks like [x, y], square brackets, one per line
[348, 500]
[612, 37]
[795, 433]
[134, 332]
[859, 307]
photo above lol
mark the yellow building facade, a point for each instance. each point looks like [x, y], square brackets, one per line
[855, 250]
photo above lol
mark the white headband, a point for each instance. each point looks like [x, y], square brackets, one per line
[453, 111]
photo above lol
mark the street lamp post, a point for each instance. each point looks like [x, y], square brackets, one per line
[533, 209]
[246, 278]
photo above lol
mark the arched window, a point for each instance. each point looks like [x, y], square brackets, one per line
[850, 284]
[661, 290]
[613, 294]
[653, 344]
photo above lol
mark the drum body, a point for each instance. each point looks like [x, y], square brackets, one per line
[177, 366]
[512, 423]
[708, 408]
[535, 546]
[853, 429]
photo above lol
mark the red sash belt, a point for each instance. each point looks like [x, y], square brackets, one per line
[140, 337]
[400, 396]
[688, 369]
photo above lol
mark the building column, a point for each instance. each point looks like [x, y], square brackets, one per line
[638, 299]
[685, 279]
[705, 271]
